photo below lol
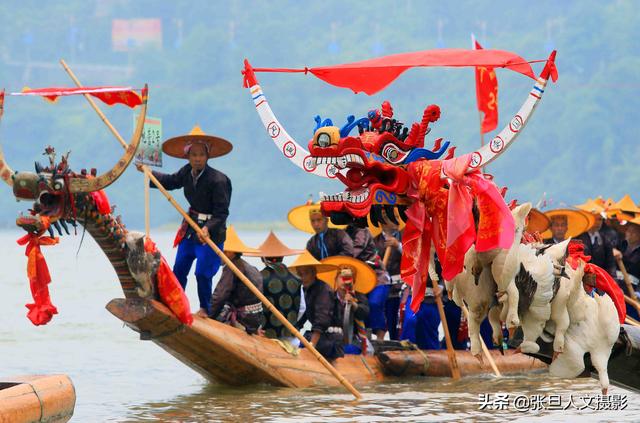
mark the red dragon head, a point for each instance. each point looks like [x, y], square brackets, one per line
[373, 164]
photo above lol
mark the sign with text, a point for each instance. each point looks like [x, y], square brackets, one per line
[150, 149]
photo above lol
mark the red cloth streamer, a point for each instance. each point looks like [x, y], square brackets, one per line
[169, 289]
[108, 95]
[487, 95]
[102, 201]
[41, 311]
[444, 217]
[604, 281]
[373, 75]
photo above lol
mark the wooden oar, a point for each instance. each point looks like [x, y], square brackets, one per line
[386, 257]
[627, 281]
[147, 223]
[485, 350]
[451, 353]
[632, 322]
[224, 258]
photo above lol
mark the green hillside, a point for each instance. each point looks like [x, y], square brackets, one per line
[580, 142]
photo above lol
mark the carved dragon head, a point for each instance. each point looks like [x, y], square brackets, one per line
[373, 164]
[56, 190]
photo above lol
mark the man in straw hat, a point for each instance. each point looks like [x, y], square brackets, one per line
[596, 243]
[566, 223]
[364, 249]
[208, 192]
[280, 287]
[352, 282]
[326, 241]
[320, 305]
[232, 302]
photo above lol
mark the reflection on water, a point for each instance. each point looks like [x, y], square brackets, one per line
[119, 378]
[413, 400]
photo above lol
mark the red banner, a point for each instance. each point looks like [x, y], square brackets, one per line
[487, 95]
[108, 95]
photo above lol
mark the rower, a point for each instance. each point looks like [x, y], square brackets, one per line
[352, 281]
[281, 287]
[232, 302]
[327, 241]
[208, 192]
[390, 238]
[364, 249]
[566, 223]
[320, 306]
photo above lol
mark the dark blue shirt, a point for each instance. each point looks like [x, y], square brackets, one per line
[209, 194]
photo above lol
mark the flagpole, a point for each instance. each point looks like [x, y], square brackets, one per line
[147, 225]
[230, 265]
[480, 118]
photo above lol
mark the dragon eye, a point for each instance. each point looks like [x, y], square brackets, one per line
[324, 140]
[58, 185]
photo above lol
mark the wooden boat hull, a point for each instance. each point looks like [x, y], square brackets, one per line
[224, 354]
[36, 399]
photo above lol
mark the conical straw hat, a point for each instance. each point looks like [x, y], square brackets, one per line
[626, 204]
[233, 244]
[273, 247]
[306, 259]
[365, 277]
[217, 146]
[591, 206]
[537, 221]
[299, 218]
[578, 221]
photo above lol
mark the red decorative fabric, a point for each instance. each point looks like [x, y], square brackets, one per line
[373, 75]
[487, 95]
[102, 201]
[108, 95]
[604, 281]
[41, 311]
[444, 217]
[171, 293]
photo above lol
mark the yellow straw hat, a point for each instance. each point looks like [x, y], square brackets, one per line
[299, 217]
[626, 205]
[364, 276]
[306, 259]
[216, 146]
[592, 206]
[233, 244]
[578, 221]
[538, 221]
[273, 247]
[377, 230]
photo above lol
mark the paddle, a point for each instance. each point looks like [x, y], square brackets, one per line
[215, 248]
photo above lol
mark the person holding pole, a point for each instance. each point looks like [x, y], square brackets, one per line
[208, 192]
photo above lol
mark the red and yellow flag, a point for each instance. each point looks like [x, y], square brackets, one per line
[487, 95]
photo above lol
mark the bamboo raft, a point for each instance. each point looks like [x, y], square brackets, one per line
[225, 354]
[25, 399]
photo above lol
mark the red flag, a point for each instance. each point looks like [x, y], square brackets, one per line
[373, 75]
[108, 95]
[487, 95]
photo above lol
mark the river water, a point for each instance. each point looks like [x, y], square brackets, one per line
[122, 379]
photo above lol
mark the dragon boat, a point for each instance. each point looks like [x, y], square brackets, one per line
[63, 198]
[219, 352]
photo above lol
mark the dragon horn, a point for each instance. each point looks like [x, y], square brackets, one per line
[5, 170]
[77, 185]
[494, 148]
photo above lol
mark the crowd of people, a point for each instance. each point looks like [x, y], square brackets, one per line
[345, 287]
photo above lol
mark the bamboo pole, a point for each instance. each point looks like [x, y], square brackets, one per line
[628, 284]
[222, 256]
[451, 353]
[147, 212]
[485, 350]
